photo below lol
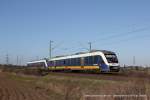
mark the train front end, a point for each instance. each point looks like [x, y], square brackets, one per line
[111, 63]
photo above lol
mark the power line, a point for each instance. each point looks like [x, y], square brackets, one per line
[57, 45]
[126, 40]
[83, 46]
[116, 36]
[87, 48]
[122, 34]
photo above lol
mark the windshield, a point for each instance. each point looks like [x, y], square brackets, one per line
[111, 58]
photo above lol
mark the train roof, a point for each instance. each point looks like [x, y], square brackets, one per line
[37, 61]
[83, 53]
[79, 54]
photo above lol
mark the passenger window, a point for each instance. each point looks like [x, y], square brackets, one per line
[69, 62]
[91, 60]
[78, 61]
[64, 63]
[95, 59]
[86, 60]
[98, 60]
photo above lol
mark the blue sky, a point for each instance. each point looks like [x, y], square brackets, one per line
[27, 26]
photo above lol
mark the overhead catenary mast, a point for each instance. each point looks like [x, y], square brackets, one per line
[90, 46]
[7, 59]
[134, 60]
[17, 60]
[50, 49]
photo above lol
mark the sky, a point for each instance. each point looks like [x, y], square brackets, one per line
[27, 26]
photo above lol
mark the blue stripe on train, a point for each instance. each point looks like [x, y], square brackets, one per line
[104, 67]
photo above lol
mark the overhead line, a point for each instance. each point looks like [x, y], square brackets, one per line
[126, 40]
[123, 34]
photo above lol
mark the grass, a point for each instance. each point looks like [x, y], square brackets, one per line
[73, 87]
[68, 88]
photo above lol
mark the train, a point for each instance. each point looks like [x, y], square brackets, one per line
[99, 60]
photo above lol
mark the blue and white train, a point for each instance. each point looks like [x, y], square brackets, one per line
[100, 60]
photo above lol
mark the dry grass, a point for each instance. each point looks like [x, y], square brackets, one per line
[74, 89]
[67, 87]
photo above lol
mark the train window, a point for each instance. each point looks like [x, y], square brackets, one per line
[39, 64]
[54, 63]
[75, 61]
[72, 62]
[78, 61]
[57, 63]
[50, 63]
[96, 59]
[64, 62]
[61, 63]
[67, 62]
[86, 60]
[91, 60]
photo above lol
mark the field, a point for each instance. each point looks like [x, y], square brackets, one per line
[18, 84]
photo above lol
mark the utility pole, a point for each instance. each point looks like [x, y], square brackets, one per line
[90, 46]
[50, 49]
[17, 60]
[21, 60]
[134, 60]
[7, 59]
